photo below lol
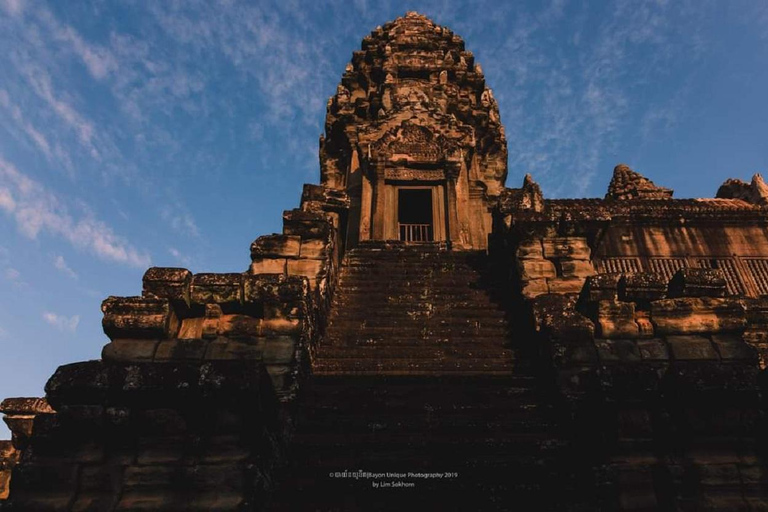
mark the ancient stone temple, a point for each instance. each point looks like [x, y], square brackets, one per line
[421, 337]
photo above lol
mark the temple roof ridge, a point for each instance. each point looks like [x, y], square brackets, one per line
[629, 184]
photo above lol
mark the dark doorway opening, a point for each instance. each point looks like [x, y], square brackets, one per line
[414, 214]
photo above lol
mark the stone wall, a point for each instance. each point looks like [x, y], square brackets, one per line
[190, 406]
[657, 367]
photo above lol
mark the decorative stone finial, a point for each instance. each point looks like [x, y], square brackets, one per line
[628, 184]
[755, 192]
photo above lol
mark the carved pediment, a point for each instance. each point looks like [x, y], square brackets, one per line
[410, 142]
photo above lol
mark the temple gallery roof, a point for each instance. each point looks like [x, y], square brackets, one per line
[632, 194]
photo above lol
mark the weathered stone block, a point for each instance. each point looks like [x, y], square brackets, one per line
[733, 348]
[8, 454]
[239, 326]
[697, 282]
[275, 246]
[25, 406]
[229, 349]
[565, 284]
[287, 309]
[644, 324]
[617, 319]
[129, 350]
[223, 289]
[698, 315]
[224, 449]
[282, 380]
[577, 268]
[530, 250]
[146, 488]
[275, 288]
[602, 287]
[653, 350]
[571, 327]
[160, 449]
[307, 224]
[547, 308]
[757, 313]
[759, 341]
[536, 269]
[280, 350]
[277, 326]
[19, 416]
[642, 287]
[575, 248]
[5, 483]
[617, 351]
[329, 199]
[181, 350]
[306, 268]
[314, 249]
[44, 486]
[534, 288]
[167, 283]
[191, 328]
[268, 266]
[692, 348]
[138, 317]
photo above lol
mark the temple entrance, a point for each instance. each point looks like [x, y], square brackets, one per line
[414, 215]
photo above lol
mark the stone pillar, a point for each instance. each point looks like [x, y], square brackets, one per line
[366, 205]
[454, 231]
[379, 204]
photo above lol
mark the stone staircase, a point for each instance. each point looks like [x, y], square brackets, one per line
[417, 373]
[413, 310]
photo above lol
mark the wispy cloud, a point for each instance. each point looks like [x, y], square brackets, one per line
[37, 210]
[12, 275]
[62, 322]
[567, 103]
[60, 263]
[12, 7]
[180, 220]
[180, 257]
[97, 59]
[37, 137]
[41, 83]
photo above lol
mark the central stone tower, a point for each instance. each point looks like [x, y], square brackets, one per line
[413, 136]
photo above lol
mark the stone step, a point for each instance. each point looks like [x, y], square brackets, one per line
[419, 320]
[470, 312]
[443, 307]
[394, 367]
[436, 285]
[343, 338]
[411, 352]
[366, 339]
[459, 296]
[399, 330]
[414, 263]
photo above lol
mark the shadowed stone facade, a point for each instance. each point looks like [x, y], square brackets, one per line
[421, 337]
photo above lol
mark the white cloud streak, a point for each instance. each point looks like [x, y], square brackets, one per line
[62, 322]
[37, 210]
[41, 83]
[61, 264]
[13, 275]
[99, 60]
[12, 7]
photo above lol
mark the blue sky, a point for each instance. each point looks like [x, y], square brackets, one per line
[169, 133]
